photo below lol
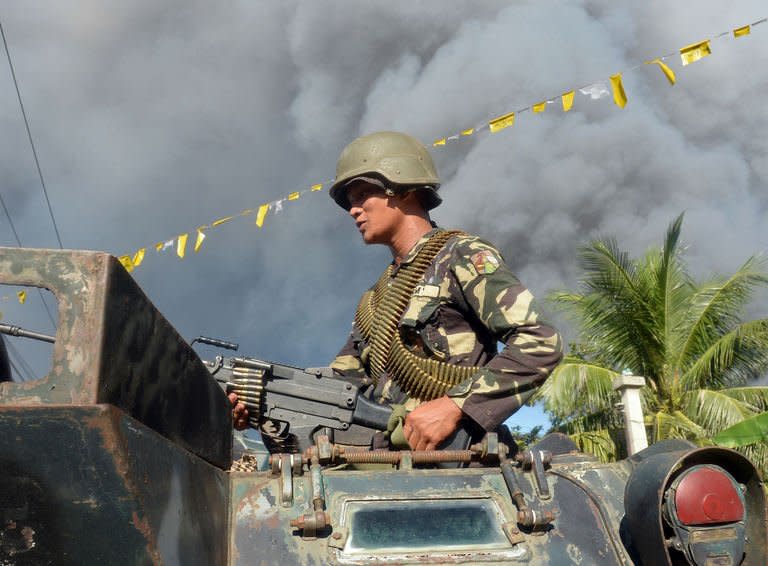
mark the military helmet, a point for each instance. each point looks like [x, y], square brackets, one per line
[400, 160]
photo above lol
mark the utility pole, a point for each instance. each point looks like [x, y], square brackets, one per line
[634, 425]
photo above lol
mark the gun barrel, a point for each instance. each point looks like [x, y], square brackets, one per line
[216, 342]
[12, 330]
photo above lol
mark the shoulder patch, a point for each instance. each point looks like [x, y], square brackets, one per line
[485, 261]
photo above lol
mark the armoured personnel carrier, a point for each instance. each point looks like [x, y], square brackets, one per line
[123, 454]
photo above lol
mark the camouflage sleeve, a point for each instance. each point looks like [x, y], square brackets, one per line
[347, 362]
[531, 348]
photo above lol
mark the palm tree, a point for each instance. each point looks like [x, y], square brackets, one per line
[687, 338]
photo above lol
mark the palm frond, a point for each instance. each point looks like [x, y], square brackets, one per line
[599, 420]
[757, 453]
[671, 292]
[563, 298]
[614, 309]
[755, 397]
[598, 443]
[715, 307]
[686, 338]
[713, 410]
[735, 357]
[687, 428]
[675, 425]
[606, 266]
[578, 387]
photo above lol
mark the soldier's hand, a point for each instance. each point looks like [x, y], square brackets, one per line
[430, 423]
[239, 413]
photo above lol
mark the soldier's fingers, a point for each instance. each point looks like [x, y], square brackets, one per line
[232, 398]
[414, 439]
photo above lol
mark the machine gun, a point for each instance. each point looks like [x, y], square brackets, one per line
[289, 405]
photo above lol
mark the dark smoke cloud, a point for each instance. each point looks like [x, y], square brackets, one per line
[153, 118]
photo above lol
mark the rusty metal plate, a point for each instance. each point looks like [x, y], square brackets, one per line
[90, 485]
[113, 346]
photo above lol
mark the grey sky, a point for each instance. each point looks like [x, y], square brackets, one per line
[153, 118]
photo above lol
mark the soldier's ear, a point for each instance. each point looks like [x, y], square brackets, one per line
[397, 199]
[417, 204]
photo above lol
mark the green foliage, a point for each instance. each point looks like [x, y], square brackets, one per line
[749, 431]
[687, 339]
[525, 439]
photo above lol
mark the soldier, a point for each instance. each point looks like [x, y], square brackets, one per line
[426, 334]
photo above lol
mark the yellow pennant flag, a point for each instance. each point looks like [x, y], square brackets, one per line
[181, 245]
[138, 257]
[568, 100]
[441, 141]
[694, 52]
[294, 196]
[538, 108]
[261, 214]
[468, 132]
[619, 96]
[316, 187]
[502, 122]
[246, 212]
[221, 221]
[22, 295]
[669, 73]
[199, 239]
[126, 261]
[742, 31]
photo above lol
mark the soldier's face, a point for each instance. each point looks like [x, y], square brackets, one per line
[374, 212]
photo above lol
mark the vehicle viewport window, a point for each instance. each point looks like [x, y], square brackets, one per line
[415, 525]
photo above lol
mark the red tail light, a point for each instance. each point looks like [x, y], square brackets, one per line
[706, 495]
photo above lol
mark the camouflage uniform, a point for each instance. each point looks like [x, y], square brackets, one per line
[469, 301]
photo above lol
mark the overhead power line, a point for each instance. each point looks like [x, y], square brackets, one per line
[10, 222]
[29, 135]
[15, 371]
[18, 243]
[39, 172]
[29, 373]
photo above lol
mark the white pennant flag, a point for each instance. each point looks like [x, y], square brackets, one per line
[596, 91]
[279, 206]
[165, 245]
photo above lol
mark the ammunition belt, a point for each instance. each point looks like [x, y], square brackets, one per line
[248, 383]
[378, 318]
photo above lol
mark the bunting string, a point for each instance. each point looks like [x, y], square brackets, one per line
[178, 243]
[603, 88]
[613, 87]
